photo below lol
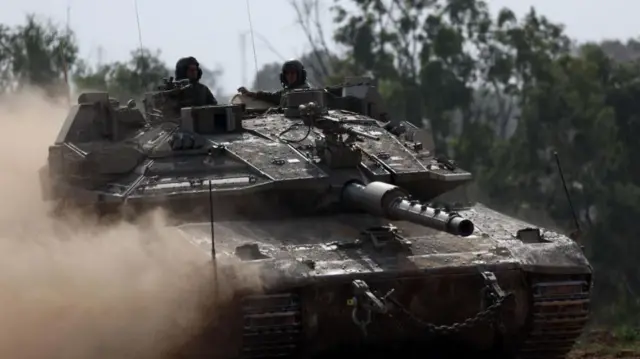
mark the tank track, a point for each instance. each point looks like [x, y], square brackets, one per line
[272, 325]
[560, 310]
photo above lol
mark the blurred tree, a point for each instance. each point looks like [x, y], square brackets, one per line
[38, 54]
[318, 60]
[268, 77]
[124, 80]
[622, 51]
[211, 78]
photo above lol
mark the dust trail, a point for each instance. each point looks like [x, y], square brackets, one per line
[68, 290]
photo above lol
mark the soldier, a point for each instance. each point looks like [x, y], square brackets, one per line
[293, 76]
[197, 94]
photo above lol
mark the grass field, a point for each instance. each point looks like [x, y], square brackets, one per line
[608, 344]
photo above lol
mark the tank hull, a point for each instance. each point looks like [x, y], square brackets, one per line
[311, 265]
[541, 319]
[302, 311]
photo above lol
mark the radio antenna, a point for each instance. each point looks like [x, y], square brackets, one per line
[211, 219]
[213, 238]
[140, 61]
[566, 191]
[253, 43]
[135, 4]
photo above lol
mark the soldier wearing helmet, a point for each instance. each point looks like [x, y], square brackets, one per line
[293, 76]
[197, 94]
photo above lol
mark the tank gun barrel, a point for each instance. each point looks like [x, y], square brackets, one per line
[390, 201]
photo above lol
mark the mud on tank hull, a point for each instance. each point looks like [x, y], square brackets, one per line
[541, 319]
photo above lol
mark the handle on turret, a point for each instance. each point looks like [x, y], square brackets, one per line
[313, 116]
[390, 201]
[353, 132]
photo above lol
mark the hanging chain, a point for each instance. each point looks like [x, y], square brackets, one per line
[365, 302]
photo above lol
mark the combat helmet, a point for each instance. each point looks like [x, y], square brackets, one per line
[297, 66]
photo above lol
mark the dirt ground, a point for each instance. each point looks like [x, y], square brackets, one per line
[602, 344]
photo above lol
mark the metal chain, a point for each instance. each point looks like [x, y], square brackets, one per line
[485, 315]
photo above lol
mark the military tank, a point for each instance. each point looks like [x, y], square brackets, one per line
[344, 215]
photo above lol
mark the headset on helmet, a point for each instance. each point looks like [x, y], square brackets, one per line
[302, 73]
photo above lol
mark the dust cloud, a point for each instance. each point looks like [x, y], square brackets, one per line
[69, 289]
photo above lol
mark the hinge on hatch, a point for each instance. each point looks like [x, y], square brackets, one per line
[385, 235]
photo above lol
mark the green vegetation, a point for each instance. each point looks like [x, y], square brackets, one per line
[500, 94]
[623, 342]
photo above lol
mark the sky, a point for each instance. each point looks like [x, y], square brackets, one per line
[210, 30]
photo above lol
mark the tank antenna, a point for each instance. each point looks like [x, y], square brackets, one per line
[135, 4]
[211, 219]
[566, 191]
[253, 44]
[213, 238]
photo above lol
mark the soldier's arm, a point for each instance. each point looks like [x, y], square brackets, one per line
[272, 97]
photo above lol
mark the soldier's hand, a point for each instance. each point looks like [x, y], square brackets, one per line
[243, 90]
